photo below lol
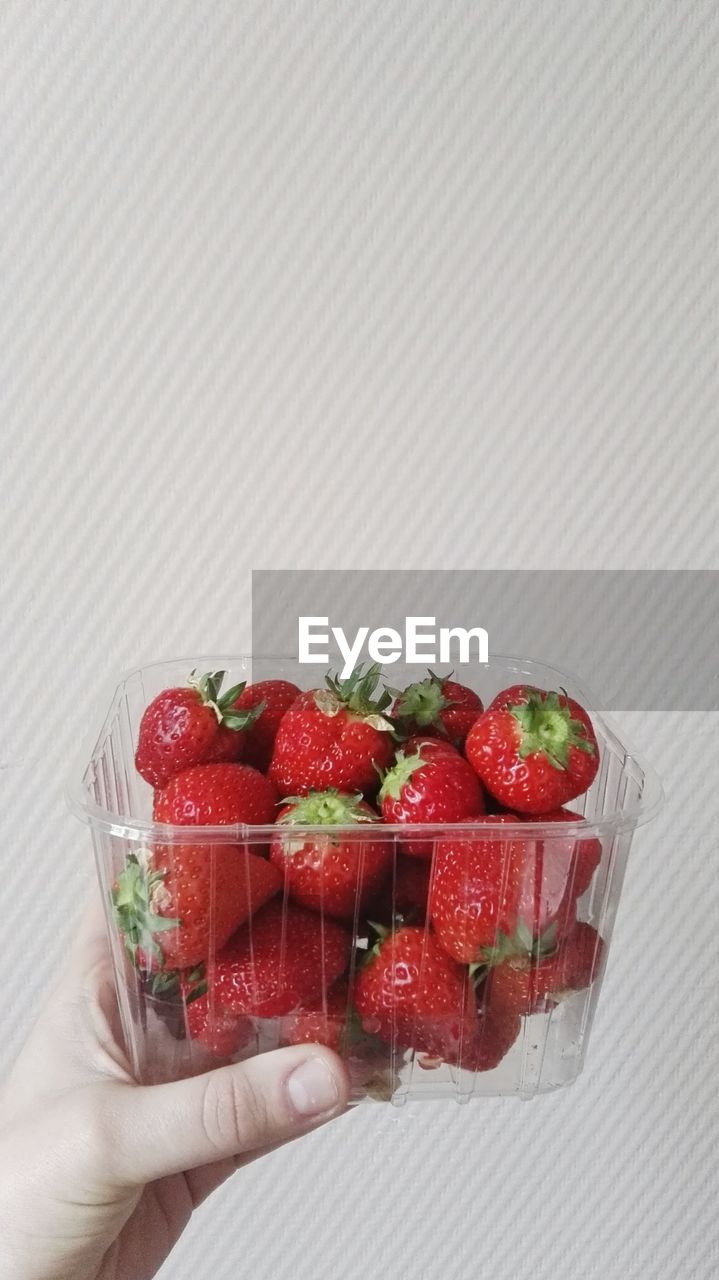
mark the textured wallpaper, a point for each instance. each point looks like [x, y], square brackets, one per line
[300, 285]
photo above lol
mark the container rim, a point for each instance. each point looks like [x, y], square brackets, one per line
[129, 827]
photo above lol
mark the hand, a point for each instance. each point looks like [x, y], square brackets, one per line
[99, 1176]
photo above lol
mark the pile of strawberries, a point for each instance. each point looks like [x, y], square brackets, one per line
[435, 938]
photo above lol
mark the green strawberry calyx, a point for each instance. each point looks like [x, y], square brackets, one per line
[356, 694]
[136, 897]
[209, 689]
[546, 727]
[326, 808]
[194, 984]
[422, 702]
[381, 933]
[521, 946]
[165, 984]
[396, 778]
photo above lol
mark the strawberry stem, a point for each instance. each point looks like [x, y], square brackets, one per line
[330, 808]
[382, 930]
[133, 912]
[546, 728]
[422, 701]
[209, 687]
[357, 692]
[521, 945]
[400, 773]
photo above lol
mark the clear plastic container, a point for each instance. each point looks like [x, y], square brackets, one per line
[550, 1049]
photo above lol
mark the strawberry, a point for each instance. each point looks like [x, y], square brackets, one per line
[217, 795]
[527, 984]
[546, 901]
[494, 1035]
[335, 737]
[323, 1020]
[410, 994]
[187, 726]
[512, 696]
[337, 874]
[430, 785]
[275, 697]
[578, 960]
[282, 958]
[520, 984]
[475, 891]
[533, 750]
[438, 707]
[408, 746]
[223, 1033]
[580, 857]
[495, 896]
[497, 1033]
[177, 904]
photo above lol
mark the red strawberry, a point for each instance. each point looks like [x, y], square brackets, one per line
[323, 1020]
[533, 750]
[437, 707]
[337, 874]
[284, 957]
[580, 857]
[275, 697]
[520, 984]
[181, 902]
[217, 795]
[475, 891]
[528, 984]
[497, 896]
[223, 1033]
[184, 727]
[578, 960]
[418, 740]
[335, 737]
[512, 696]
[495, 1033]
[546, 902]
[411, 995]
[431, 785]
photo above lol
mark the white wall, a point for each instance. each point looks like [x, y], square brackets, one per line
[360, 285]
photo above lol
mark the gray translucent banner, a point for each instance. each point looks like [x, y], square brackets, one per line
[640, 639]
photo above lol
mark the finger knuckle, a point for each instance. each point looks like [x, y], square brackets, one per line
[233, 1111]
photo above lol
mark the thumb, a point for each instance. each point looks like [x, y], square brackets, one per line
[168, 1128]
